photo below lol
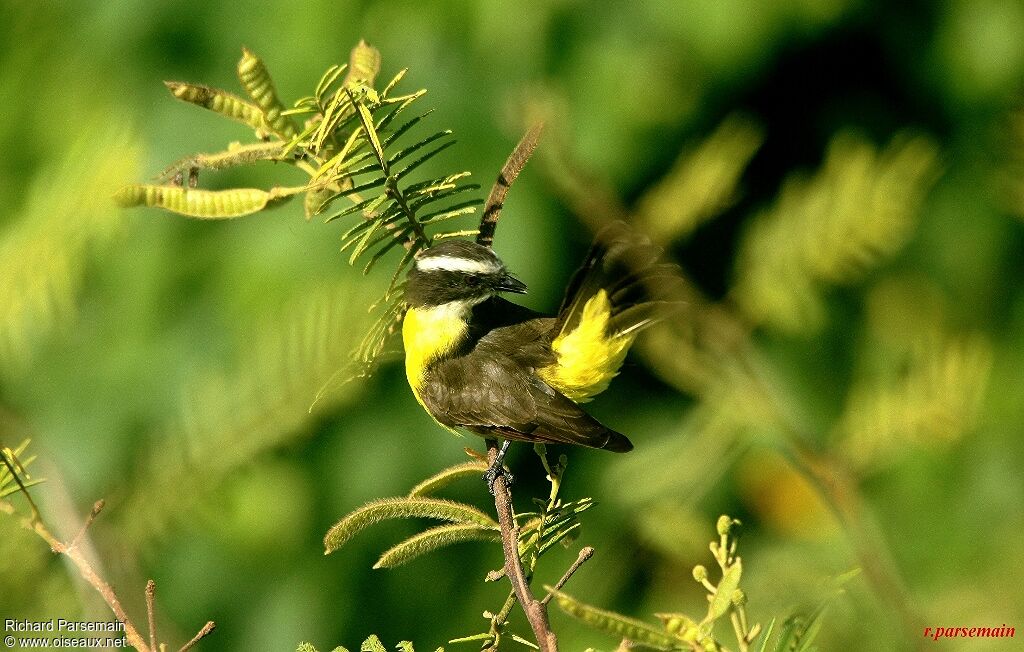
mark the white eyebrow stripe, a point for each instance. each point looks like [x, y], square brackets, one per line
[450, 264]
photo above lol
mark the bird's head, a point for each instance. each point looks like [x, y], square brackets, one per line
[458, 271]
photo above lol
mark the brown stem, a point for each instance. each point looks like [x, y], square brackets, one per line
[96, 509]
[151, 612]
[88, 573]
[585, 554]
[513, 166]
[536, 611]
[34, 523]
[207, 628]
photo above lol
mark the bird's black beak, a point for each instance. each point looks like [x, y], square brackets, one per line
[509, 283]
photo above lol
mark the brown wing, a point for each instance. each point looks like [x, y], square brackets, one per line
[491, 390]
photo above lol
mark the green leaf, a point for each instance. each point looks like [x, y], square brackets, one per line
[366, 206]
[723, 595]
[432, 539]
[455, 234]
[398, 236]
[423, 159]
[394, 82]
[372, 644]
[810, 631]
[411, 149]
[612, 623]
[8, 484]
[379, 181]
[328, 79]
[371, 134]
[766, 636]
[364, 242]
[395, 285]
[799, 631]
[388, 508]
[203, 204]
[458, 210]
[398, 133]
[444, 478]
[218, 101]
[403, 104]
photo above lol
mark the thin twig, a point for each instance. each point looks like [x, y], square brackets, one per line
[207, 628]
[89, 574]
[97, 507]
[151, 612]
[513, 166]
[536, 611]
[35, 524]
[585, 554]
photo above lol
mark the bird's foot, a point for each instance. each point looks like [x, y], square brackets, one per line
[496, 471]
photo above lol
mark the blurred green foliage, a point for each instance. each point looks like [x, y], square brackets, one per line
[856, 294]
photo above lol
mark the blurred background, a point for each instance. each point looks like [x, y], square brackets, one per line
[842, 182]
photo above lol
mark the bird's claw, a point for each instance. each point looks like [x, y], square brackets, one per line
[494, 472]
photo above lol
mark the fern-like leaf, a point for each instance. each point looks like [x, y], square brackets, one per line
[859, 209]
[372, 644]
[232, 413]
[614, 624]
[389, 508]
[444, 478]
[15, 476]
[433, 539]
[702, 183]
[67, 217]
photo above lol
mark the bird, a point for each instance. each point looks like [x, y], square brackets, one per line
[478, 362]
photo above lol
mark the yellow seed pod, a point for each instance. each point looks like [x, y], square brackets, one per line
[201, 204]
[363, 65]
[681, 625]
[218, 101]
[257, 84]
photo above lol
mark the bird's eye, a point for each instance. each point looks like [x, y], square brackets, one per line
[473, 281]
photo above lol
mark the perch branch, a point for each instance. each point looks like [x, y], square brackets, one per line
[536, 611]
[513, 166]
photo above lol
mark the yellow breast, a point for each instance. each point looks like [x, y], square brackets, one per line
[430, 333]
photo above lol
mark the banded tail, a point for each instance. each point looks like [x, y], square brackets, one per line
[620, 290]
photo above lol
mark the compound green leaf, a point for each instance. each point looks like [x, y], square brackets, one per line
[388, 508]
[444, 478]
[432, 539]
[612, 623]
